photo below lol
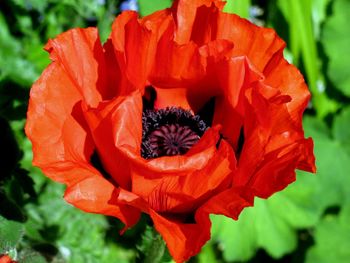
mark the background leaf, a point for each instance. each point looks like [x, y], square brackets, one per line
[335, 38]
[271, 223]
[76, 235]
[332, 239]
[239, 7]
[13, 64]
[147, 7]
[11, 233]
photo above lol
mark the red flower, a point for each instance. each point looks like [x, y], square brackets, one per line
[183, 113]
[6, 259]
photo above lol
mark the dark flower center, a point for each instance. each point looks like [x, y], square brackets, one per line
[170, 131]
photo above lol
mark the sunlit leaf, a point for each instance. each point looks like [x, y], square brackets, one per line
[147, 7]
[239, 7]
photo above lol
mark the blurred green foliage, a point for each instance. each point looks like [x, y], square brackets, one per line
[307, 222]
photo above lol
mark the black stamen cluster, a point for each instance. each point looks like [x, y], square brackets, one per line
[172, 119]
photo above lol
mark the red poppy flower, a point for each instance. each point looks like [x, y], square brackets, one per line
[186, 112]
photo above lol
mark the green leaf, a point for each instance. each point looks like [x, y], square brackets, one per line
[11, 233]
[319, 14]
[332, 161]
[316, 129]
[341, 129]
[332, 239]
[271, 223]
[31, 257]
[207, 254]
[35, 53]
[239, 7]
[335, 39]
[333, 164]
[148, 7]
[87, 8]
[38, 5]
[78, 236]
[13, 64]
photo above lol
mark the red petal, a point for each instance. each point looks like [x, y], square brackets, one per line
[148, 180]
[183, 240]
[116, 127]
[55, 124]
[62, 145]
[80, 54]
[307, 161]
[278, 169]
[117, 82]
[6, 259]
[171, 98]
[229, 79]
[177, 194]
[257, 43]
[234, 77]
[274, 144]
[262, 46]
[279, 73]
[176, 65]
[138, 39]
[229, 202]
[185, 14]
[264, 50]
[96, 195]
[132, 199]
[216, 49]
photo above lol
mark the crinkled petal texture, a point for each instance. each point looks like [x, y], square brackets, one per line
[85, 118]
